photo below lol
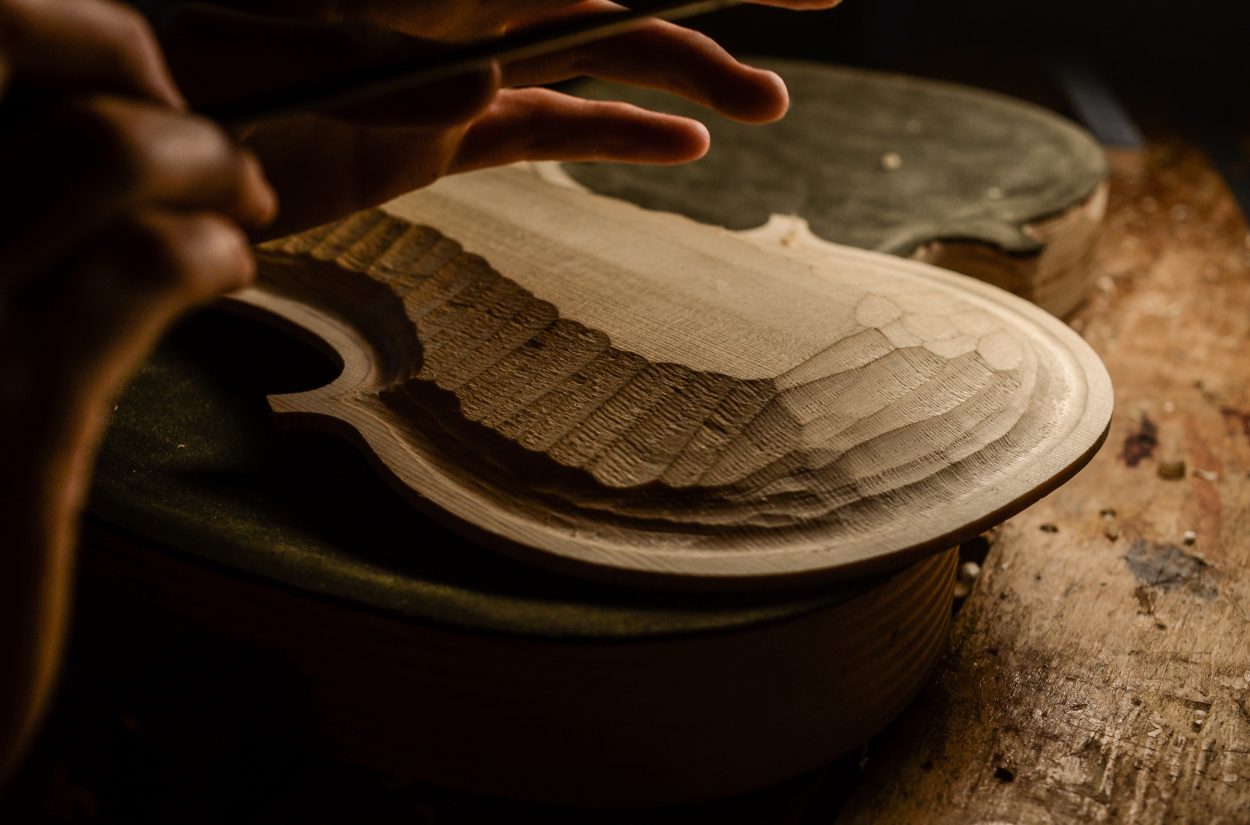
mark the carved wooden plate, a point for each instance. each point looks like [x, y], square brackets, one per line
[632, 395]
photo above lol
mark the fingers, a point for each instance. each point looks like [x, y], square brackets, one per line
[267, 53]
[355, 167]
[83, 168]
[664, 56]
[370, 166]
[94, 324]
[538, 124]
[103, 315]
[83, 46]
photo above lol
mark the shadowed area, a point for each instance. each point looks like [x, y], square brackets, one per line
[192, 462]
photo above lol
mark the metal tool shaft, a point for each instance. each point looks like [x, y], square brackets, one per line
[379, 80]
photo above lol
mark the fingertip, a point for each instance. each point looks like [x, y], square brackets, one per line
[699, 141]
[495, 74]
[476, 90]
[763, 98]
[777, 94]
[669, 140]
[489, 82]
[216, 256]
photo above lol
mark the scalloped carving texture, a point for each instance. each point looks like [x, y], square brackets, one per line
[924, 398]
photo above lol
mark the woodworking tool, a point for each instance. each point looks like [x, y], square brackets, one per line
[379, 80]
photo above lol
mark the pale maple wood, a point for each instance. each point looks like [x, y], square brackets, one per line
[1100, 671]
[630, 394]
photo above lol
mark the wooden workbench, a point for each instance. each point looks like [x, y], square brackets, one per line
[1099, 671]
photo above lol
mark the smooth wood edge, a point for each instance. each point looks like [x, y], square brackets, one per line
[1058, 278]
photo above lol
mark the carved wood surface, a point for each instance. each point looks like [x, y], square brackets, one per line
[641, 396]
[962, 178]
[1100, 671]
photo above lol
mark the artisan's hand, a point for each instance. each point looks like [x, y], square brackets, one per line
[119, 212]
[325, 167]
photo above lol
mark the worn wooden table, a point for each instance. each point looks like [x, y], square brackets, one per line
[1099, 671]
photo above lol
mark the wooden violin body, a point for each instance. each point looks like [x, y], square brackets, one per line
[643, 398]
[750, 452]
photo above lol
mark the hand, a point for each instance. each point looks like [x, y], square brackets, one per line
[328, 165]
[120, 211]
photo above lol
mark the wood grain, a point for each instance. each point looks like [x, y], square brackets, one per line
[1100, 671]
[963, 178]
[643, 397]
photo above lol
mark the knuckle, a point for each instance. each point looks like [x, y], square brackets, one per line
[213, 138]
[135, 43]
[151, 249]
[129, 28]
[132, 147]
[192, 257]
[112, 139]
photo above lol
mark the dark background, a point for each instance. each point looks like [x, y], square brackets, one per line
[1171, 68]
[1160, 50]
[1144, 68]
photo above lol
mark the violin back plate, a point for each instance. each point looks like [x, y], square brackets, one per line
[634, 396]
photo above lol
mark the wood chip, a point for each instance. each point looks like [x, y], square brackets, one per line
[1172, 469]
[969, 571]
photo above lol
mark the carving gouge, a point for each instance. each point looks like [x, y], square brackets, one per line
[378, 80]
